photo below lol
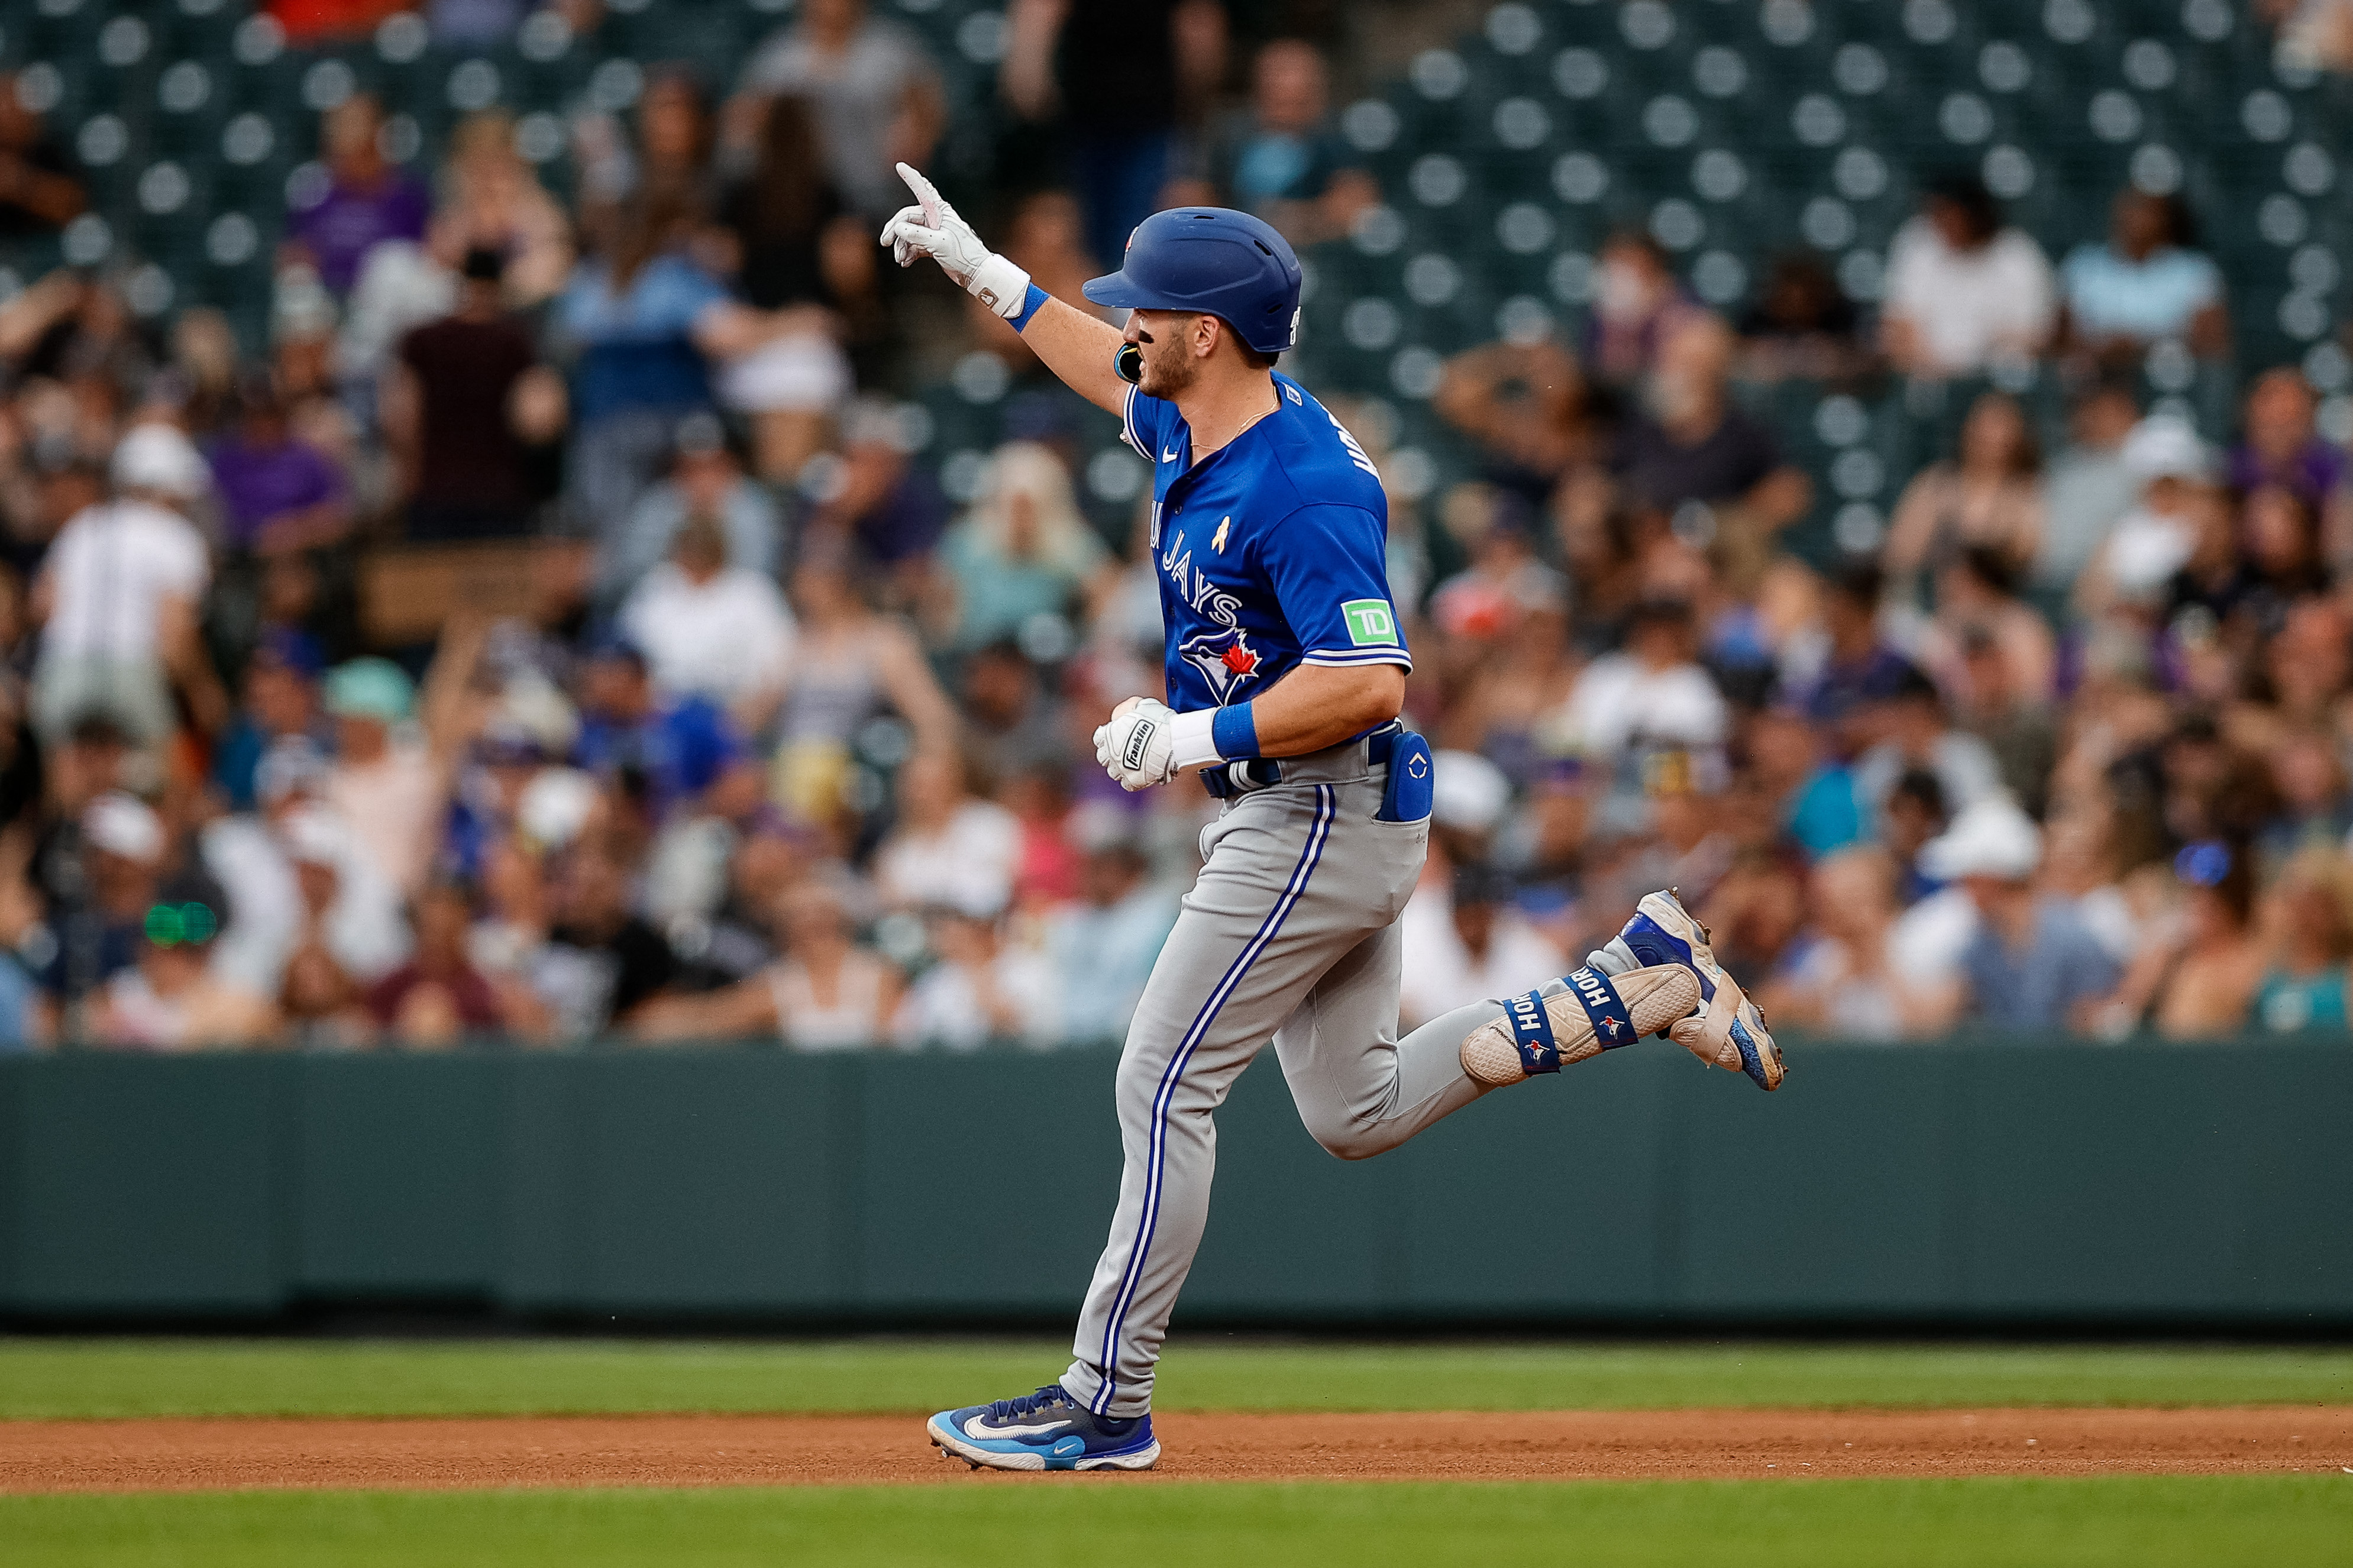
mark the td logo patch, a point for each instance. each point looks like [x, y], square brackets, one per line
[1370, 623]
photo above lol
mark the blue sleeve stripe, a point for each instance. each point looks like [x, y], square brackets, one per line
[1396, 656]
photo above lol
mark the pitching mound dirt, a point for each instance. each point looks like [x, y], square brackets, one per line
[757, 1450]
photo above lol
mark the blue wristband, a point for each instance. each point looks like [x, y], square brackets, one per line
[1031, 303]
[1234, 731]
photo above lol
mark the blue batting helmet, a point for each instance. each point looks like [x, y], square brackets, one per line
[1214, 260]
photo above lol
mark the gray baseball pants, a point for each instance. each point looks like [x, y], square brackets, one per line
[1289, 933]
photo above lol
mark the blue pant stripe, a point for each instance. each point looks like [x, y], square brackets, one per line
[1131, 1279]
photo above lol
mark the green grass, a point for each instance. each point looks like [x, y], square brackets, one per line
[206, 1378]
[2143, 1521]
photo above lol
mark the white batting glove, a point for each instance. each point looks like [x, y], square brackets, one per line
[932, 228]
[1138, 747]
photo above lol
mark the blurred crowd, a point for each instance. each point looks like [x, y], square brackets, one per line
[2062, 746]
[549, 633]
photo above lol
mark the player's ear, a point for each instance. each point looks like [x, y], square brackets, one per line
[1206, 329]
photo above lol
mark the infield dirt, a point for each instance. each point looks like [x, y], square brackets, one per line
[195, 1455]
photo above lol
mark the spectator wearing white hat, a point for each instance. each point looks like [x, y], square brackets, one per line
[119, 598]
[2032, 962]
[350, 912]
[105, 884]
[1469, 796]
[1470, 799]
[2176, 473]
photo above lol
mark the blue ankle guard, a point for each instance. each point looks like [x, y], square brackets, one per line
[1532, 1033]
[1613, 1021]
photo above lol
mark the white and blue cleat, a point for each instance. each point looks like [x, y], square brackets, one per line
[1047, 1430]
[1728, 1029]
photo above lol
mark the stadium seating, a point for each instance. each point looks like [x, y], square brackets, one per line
[1731, 129]
[212, 89]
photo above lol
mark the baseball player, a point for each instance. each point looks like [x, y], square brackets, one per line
[1286, 673]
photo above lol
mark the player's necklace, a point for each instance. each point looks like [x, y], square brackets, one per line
[1199, 454]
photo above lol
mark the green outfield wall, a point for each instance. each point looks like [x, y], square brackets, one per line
[1971, 1183]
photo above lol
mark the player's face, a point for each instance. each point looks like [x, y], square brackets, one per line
[1166, 338]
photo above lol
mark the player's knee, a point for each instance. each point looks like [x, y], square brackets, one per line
[1345, 1140]
[1138, 1081]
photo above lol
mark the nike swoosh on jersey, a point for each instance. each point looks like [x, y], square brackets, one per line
[1169, 456]
[974, 1428]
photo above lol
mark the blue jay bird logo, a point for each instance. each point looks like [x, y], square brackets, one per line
[1224, 657]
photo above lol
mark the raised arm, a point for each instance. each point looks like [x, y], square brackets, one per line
[1074, 345]
[1080, 348]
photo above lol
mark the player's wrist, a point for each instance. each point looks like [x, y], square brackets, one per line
[1192, 741]
[1031, 303]
[1233, 730]
[999, 285]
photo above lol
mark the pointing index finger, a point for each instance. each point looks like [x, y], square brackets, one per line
[925, 194]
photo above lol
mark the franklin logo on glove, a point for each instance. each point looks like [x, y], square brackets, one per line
[1139, 742]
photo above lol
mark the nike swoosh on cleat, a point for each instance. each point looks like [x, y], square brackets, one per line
[973, 1428]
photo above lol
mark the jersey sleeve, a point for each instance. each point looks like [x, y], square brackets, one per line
[1330, 571]
[1144, 423]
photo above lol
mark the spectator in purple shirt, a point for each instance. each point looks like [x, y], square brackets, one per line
[277, 493]
[1858, 670]
[2281, 447]
[367, 201]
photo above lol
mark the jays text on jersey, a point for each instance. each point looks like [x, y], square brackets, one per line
[1270, 551]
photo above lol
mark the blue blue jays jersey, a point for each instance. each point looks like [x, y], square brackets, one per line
[1272, 552]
